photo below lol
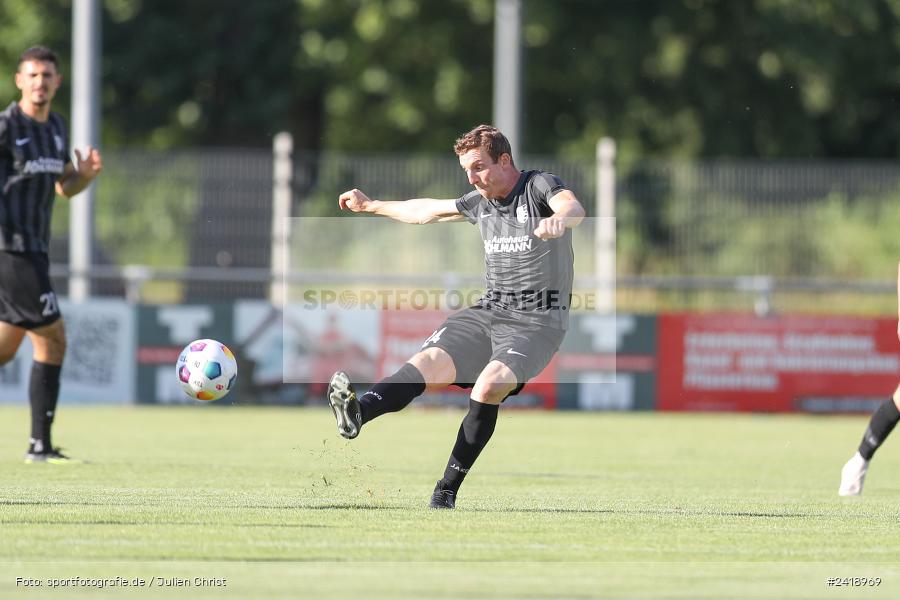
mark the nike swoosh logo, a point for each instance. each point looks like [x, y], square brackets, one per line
[511, 351]
[484, 215]
[22, 141]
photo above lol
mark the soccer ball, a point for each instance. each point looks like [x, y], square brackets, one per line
[206, 370]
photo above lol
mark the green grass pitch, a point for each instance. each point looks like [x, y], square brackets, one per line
[560, 505]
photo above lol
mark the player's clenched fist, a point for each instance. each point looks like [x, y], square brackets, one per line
[354, 200]
[551, 227]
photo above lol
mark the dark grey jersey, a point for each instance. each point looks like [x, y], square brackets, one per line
[32, 157]
[526, 278]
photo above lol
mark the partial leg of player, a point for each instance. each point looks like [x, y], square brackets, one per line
[883, 421]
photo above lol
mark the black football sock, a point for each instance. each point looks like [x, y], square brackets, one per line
[474, 433]
[880, 426]
[392, 393]
[43, 392]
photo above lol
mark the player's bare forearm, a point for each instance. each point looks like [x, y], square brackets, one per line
[403, 211]
[567, 207]
[72, 185]
[418, 211]
[573, 216]
[567, 213]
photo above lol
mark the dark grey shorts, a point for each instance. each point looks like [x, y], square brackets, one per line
[475, 336]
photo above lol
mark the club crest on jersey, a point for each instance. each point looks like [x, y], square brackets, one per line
[59, 142]
[522, 214]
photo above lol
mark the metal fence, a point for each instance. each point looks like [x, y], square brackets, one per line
[683, 228]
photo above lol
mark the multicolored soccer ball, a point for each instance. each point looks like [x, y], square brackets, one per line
[206, 370]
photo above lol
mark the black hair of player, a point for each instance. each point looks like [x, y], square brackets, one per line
[39, 53]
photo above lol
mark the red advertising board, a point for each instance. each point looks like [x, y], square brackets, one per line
[731, 362]
[402, 334]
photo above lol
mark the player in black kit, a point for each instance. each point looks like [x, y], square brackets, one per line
[34, 166]
[512, 332]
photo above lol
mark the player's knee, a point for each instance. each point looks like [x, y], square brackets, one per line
[50, 345]
[58, 347]
[53, 355]
[492, 391]
[56, 344]
[436, 366]
[494, 384]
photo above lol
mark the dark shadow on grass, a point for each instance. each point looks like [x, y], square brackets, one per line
[546, 510]
[70, 503]
[239, 559]
[171, 523]
[759, 515]
[524, 474]
[660, 512]
[534, 475]
[360, 506]
[231, 506]
[710, 513]
[356, 506]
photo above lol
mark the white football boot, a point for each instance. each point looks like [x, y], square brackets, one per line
[852, 476]
[343, 402]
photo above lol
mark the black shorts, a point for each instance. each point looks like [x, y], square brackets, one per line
[26, 297]
[475, 336]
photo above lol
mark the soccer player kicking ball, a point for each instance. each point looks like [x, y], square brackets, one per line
[512, 332]
[880, 426]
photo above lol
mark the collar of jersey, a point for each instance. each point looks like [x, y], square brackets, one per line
[24, 115]
[512, 194]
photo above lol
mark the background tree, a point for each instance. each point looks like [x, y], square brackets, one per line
[770, 78]
[714, 77]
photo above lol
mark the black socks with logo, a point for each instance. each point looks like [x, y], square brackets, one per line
[880, 426]
[392, 393]
[43, 391]
[474, 433]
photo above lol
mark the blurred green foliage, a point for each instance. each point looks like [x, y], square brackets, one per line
[686, 78]
[354, 80]
[148, 222]
[144, 210]
[835, 236]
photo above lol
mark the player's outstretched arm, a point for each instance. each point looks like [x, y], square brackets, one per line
[418, 211]
[77, 177]
[567, 212]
